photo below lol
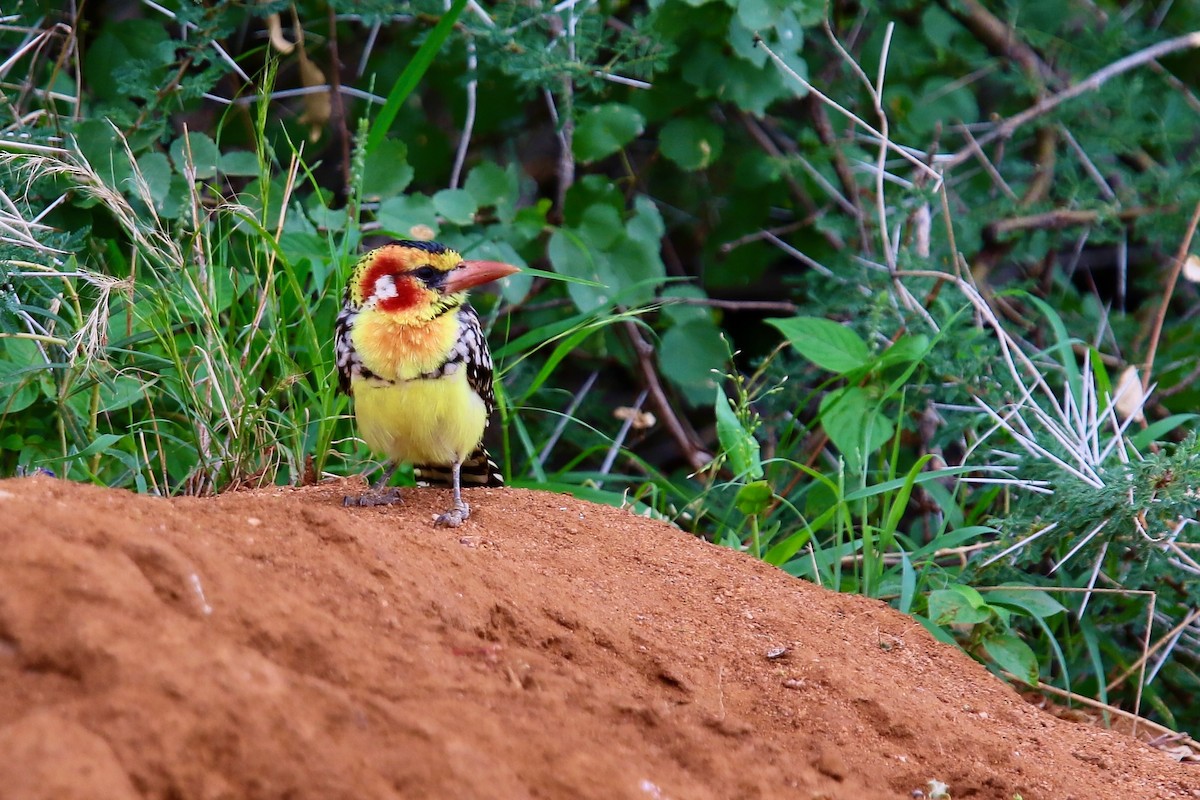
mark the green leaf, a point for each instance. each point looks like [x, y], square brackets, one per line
[122, 391]
[386, 171]
[696, 348]
[569, 256]
[605, 129]
[490, 184]
[680, 313]
[198, 150]
[19, 358]
[754, 498]
[853, 424]
[102, 149]
[952, 607]
[908, 584]
[824, 342]
[601, 226]
[412, 74]
[156, 170]
[905, 350]
[739, 445]
[1013, 655]
[1033, 600]
[120, 44]
[240, 163]
[1159, 428]
[691, 143]
[102, 442]
[456, 205]
[400, 215]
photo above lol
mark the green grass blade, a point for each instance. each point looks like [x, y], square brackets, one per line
[412, 75]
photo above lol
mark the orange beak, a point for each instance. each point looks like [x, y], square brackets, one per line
[474, 273]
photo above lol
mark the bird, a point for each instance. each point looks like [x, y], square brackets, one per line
[410, 352]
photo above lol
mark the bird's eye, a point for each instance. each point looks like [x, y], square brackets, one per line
[429, 275]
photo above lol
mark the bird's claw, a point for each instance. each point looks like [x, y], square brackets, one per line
[454, 517]
[373, 497]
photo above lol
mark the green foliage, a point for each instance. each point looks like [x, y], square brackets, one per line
[930, 413]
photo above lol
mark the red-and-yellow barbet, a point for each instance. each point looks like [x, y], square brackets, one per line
[413, 357]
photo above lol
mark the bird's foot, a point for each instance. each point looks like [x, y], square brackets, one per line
[373, 497]
[454, 517]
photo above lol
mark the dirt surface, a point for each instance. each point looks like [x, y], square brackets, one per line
[273, 644]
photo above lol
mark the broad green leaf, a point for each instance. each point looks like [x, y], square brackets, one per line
[680, 313]
[386, 171]
[119, 44]
[1013, 655]
[824, 342]
[241, 163]
[100, 146]
[696, 349]
[569, 256]
[605, 129]
[588, 191]
[156, 171]
[949, 607]
[399, 216]
[196, 150]
[691, 143]
[601, 226]
[754, 498]
[1032, 600]
[905, 350]
[646, 225]
[490, 184]
[18, 387]
[970, 593]
[756, 14]
[456, 205]
[122, 391]
[739, 445]
[853, 425]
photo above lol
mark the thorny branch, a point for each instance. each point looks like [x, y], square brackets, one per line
[1088, 84]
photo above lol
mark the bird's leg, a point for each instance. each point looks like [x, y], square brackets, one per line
[380, 494]
[461, 511]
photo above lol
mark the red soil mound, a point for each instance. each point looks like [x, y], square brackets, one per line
[273, 644]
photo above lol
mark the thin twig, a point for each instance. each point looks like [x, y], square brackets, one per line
[1064, 218]
[778, 306]
[1168, 291]
[903, 152]
[566, 417]
[464, 141]
[614, 449]
[1090, 83]
[695, 455]
[986, 163]
[335, 97]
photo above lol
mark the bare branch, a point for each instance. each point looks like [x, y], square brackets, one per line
[1088, 84]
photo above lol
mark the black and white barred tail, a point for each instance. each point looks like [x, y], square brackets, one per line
[478, 469]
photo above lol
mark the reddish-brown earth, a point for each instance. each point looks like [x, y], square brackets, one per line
[272, 644]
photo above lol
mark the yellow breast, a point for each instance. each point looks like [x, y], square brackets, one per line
[434, 422]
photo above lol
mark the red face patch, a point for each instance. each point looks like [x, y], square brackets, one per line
[407, 291]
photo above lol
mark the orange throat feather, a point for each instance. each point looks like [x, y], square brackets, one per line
[395, 348]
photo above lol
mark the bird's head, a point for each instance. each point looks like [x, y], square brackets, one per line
[418, 280]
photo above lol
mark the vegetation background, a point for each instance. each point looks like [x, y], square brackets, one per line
[895, 295]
